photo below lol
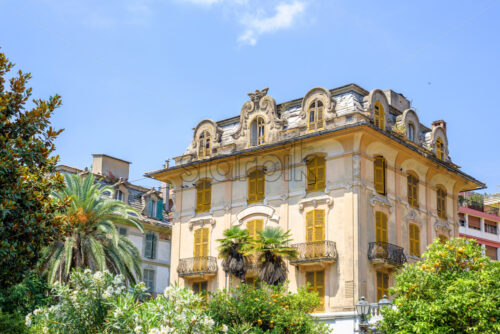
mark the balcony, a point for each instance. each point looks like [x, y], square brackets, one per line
[315, 253]
[202, 266]
[385, 255]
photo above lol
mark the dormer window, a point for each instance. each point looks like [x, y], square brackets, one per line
[379, 116]
[411, 131]
[439, 149]
[151, 208]
[257, 132]
[119, 195]
[204, 145]
[316, 116]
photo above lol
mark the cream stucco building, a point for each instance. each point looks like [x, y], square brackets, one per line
[360, 182]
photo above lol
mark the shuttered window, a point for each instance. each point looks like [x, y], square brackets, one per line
[159, 209]
[256, 186]
[413, 190]
[316, 119]
[491, 252]
[490, 227]
[149, 280]
[474, 222]
[200, 262]
[204, 145]
[441, 202]
[255, 226]
[379, 174]
[150, 245]
[315, 174]
[379, 116]
[315, 225]
[414, 240]
[200, 287]
[203, 196]
[380, 227]
[316, 281]
[382, 285]
[439, 149]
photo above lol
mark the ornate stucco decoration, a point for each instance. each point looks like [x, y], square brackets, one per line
[382, 201]
[315, 201]
[375, 96]
[442, 227]
[258, 210]
[323, 95]
[215, 136]
[201, 221]
[412, 216]
[263, 105]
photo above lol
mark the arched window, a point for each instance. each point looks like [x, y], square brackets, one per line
[441, 202]
[379, 116]
[256, 186]
[203, 196]
[439, 149]
[379, 174]
[257, 132]
[414, 240]
[315, 174]
[411, 131]
[413, 190]
[316, 115]
[204, 145]
[381, 234]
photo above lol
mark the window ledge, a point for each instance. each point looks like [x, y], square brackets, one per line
[206, 219]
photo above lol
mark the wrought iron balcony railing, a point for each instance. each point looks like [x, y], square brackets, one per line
[385, 251]
[197, 266]
[315, 251]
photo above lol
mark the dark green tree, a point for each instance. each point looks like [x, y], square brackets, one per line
[231, 249]
[27, 176]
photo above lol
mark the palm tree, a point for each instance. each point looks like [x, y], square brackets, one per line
[231, 249]
[93, 241]
[272, 247]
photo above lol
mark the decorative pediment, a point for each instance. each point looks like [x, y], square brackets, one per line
[260, 104]
[320, 94]
[201, 221]
[315, 201]
[412, 216]
[381, 201]
[258, 210]
[442, 227]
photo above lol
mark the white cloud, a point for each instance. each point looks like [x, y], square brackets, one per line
[257, 25]
[203, 2]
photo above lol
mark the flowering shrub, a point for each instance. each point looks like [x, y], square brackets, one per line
[176, 311]
[454, 289]
[81, 306]
[268, 309]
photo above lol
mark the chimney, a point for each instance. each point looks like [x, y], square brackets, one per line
[106, 165]
[440, 123]
[165, 189]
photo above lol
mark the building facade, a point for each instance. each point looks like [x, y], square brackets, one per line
[479, 219]
[361, 184]
[154, 244]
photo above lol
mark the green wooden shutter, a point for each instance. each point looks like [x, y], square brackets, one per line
[159, 209]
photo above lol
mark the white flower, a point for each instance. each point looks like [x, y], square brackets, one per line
[27, 320]
[87, 271]
[98, 275]
[35, 312]
[45, 330]
[106, 295]
[224, 328]
[137, 329]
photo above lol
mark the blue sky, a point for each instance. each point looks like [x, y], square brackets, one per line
[137, 75]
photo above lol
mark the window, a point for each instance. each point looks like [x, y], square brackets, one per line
[149, 280]
[255, 226]
[380, 227]
[315, 174]
[203, 196]
[411, 131]
[122, 231]
[413, 190]
[442, 238]
[382, 285]
[315, 225]
[316, 116]
[491, 252]
[316, 281]
[257, 132]
[253, 281]
[414, 240]
[474, 223]
[204, 145]
[461, 219]
[200, 252]
[119, 195]
[490, 227]
[200, 287]
[256, 186]
[439, 149]
[150, 245]
[379, 116]
[441, 202]
[379, 174]
[151, 211]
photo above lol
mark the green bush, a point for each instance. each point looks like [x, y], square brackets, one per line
[12, 323]
[454, 289]
[268, 309]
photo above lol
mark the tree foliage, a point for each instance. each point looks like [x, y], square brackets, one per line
[27, 176]
[94, 241]
[232, 248]
[454, 289]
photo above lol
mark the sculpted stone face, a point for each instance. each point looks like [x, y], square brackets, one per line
[255, 97]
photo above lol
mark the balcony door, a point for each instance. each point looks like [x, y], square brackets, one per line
[380, 227]
[315, 233]
[200, 261]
